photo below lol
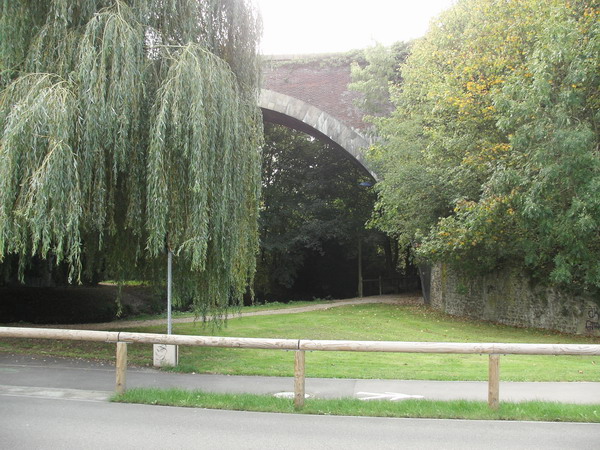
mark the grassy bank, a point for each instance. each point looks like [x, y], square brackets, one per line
[359, 322]
[538, 411]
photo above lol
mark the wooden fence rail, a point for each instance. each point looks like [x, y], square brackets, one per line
[300, 346]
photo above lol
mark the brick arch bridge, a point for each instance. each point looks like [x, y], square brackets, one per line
[311, 95]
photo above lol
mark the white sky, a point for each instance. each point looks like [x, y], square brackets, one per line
[323, 26]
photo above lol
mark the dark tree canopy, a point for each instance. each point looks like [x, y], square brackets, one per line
[313, 213]
[127, 126]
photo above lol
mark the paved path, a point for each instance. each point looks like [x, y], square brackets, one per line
[74, 378]
[405, 299]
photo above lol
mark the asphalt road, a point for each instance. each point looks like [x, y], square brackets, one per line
[47, 423]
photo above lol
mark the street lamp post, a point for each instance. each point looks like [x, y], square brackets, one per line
[169, 289]
[167, 354]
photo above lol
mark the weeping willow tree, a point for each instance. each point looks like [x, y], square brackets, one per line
[128, 127]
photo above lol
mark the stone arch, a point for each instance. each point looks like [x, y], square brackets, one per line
[291, 112]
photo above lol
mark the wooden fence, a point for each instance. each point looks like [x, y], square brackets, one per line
[300, 346]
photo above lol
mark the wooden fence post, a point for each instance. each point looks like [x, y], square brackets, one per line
[299, 385]
[494, 381]
[121, 367]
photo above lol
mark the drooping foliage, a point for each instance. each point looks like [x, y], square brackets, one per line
[129, 126]
[491, 156]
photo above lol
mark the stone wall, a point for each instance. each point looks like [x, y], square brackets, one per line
[510, 298]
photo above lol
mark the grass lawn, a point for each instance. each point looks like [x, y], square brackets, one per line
[358, 322]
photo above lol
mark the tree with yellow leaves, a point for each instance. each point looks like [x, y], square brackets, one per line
[491, 156]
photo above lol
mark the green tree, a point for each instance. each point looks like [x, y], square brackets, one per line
[127, 126]
[491, 155]
[376, 75]
[551, 113]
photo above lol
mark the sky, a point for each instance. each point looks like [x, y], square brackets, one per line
[326, 26]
